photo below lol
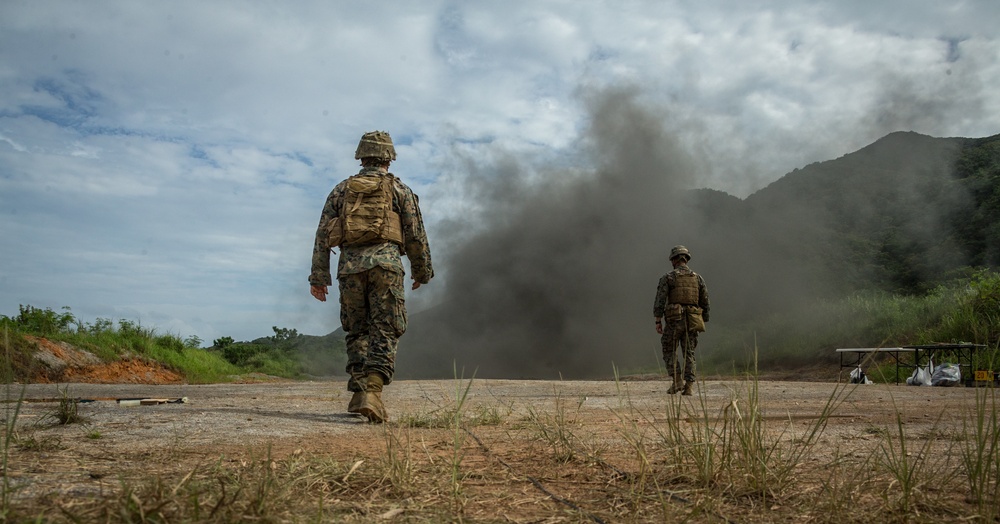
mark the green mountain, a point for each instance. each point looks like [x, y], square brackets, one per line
[902, 214]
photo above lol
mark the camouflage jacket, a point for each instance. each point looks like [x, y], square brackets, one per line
[357, 259]
[663, 291]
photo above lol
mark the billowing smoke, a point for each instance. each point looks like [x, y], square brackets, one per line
[559, 274]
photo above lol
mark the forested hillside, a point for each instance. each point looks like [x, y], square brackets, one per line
[902, 214]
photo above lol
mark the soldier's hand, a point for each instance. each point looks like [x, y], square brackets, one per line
[415, 285]
[659, 327]
[319, 292]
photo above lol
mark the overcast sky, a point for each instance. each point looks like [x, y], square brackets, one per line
[166, 162]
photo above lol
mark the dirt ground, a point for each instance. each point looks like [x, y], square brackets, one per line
[510, 474]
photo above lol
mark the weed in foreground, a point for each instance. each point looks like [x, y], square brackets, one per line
[911, 470]
[980, 454]
[12, 409]
[67, 412]
[646, 453]
[762, 459]
[841, 485]
[458, 441]
[397, 462]
[555, 430]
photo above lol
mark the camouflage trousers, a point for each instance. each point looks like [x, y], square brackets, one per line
[373, 314]
[674, 335]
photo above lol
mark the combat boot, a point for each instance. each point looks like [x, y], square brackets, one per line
[687, 388]
[354, 406]
[357, 384]
[676, 386]
[371, 404]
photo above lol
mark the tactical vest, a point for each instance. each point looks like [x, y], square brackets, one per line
[684, 289]
[366, 216]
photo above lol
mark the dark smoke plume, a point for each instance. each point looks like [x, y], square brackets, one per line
[553, 271]
[559, 277]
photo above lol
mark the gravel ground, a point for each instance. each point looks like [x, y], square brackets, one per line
[309, 417]
[247, 414]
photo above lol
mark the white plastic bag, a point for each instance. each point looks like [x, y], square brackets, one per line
[858, 377]
[921, 376]
[947, 375]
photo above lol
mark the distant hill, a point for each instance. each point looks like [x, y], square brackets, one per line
[901, 214]
[321, 356]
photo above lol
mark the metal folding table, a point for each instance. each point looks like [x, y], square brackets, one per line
[964, 353]
[853, 357]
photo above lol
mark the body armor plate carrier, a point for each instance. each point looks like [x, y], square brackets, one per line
[367, 216]
[684, 290]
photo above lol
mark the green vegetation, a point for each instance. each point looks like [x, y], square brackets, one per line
[904, 215]
[106, 341]
[285, 354]
[966, 310]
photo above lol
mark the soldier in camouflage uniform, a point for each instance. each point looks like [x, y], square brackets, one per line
[680, 309]
[370, 276]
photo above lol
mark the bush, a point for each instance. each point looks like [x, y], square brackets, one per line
[42, 322]
[241, 353]
[976, 317]
[986, 302]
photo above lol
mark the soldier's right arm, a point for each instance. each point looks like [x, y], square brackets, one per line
[659, 303]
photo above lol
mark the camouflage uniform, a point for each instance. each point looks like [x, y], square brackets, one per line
[675, 329]
[372, 308]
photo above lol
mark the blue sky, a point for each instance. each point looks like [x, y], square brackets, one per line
[166, 162]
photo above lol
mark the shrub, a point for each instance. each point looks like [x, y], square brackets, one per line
[41, 322]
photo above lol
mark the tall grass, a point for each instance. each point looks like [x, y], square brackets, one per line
[12, 409]
[739, 447]
[980, 453]
[861, 320]
[9, 439]
[976, 317]
[908, 467]
[962, 311]
[458, 440]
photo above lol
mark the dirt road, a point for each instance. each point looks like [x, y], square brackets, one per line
[119, 444]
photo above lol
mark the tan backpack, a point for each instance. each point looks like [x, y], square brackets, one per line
[367, 216]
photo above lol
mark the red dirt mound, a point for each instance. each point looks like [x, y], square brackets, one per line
[63, 362]
[123, 372]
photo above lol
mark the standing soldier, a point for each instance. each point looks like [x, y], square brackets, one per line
[374, 219]
[681, 310]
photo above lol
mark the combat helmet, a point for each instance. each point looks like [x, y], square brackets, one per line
[376, 144]
[678, 251]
